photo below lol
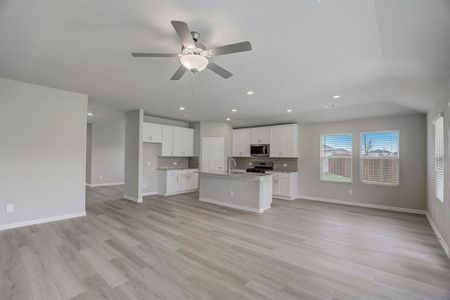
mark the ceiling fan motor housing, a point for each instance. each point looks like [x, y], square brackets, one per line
[195, 36]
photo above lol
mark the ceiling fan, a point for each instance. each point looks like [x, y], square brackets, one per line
[194, 56]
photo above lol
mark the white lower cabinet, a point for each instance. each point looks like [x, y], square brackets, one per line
[171, 182]
[285, 185]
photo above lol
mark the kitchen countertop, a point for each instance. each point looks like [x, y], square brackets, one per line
[238, 175]
[268, 172]
[176, 169]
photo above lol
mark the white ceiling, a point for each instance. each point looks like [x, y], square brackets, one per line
[383, 56]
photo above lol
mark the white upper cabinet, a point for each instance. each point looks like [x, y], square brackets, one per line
[260, 135]
[284, 141]
[152, 133]
[177, 141]
[183, 141]
[241, 142]
[167, 140]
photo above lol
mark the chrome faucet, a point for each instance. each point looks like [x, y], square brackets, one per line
[230, 159]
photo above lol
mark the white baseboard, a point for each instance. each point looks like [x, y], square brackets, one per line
[284, 198]
[104, 184]
[43, 220]
[230, 205]
[149, 194]
[369, 205]
[439, 236]
[182, 192]
[128, 197]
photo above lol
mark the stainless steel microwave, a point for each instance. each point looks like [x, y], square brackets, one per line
[259, 150]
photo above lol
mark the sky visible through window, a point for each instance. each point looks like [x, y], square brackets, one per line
[341, 141]
[387, 140]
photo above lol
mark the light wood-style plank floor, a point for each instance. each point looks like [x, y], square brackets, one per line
[179, 248]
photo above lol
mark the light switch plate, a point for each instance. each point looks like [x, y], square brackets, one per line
[9, 208]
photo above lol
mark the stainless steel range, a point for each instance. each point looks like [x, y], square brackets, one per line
[261, 167]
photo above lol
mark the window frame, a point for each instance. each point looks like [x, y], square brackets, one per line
[320, 158]
[359, 167]
[440, 115]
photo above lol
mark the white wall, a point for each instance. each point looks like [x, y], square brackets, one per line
[152, 119]
[437, 210]
[42, 152]
[133, 155]
[107, 145]
[411, 192]
[88, 153]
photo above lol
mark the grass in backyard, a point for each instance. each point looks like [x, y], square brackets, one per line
[334, 177]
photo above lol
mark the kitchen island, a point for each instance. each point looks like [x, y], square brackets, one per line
[249, 192]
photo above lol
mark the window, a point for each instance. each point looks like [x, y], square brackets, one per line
[379, 157]
[336, 157]
[439, 158]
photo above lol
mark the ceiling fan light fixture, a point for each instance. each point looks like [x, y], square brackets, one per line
[194, 62]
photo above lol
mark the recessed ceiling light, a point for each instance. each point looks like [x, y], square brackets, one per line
[249, 93]
[90, 114]
[228, 119]
[181, 108]
[289, 110]
[336, 96]
[234, 110]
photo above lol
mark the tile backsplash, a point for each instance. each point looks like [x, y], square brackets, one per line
[279, 164]
[172, 162]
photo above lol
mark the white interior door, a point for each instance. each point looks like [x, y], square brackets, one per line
[213, 155]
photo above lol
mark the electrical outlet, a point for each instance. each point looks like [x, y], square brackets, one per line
[250, 164]
[9, 208]
[350, 191]
[284, 165]
[231, 193]
[175, 163]
[100, 178]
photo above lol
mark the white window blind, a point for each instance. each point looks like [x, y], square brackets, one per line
[336, 157]
[439, 158]
[379, 157]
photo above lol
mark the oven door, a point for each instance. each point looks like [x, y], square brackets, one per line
[259, 150]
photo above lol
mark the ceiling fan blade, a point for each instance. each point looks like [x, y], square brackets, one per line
[219, 70]
[137, 54]
[184, 33]
[232, 48]
[179, 73]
